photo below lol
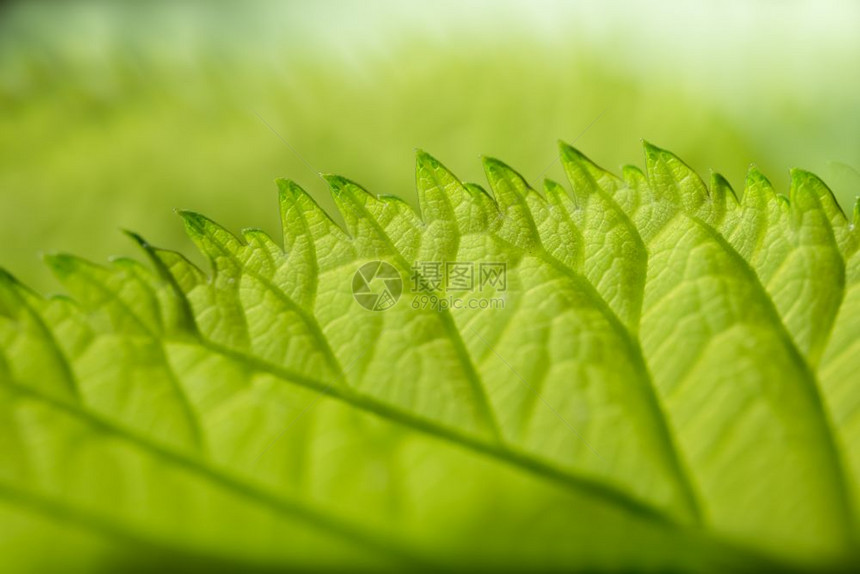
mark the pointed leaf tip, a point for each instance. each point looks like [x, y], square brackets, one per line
[757, 187]
[498, 167]
[755, 175]
[633, 176]
[574, 155]
[652, 150]
[802, 178]
[137, 238]
[424, 159]
[286, 184]
[553, 190]
[568, 151]
[571, 155]
[341, 186]
[806, 181]
[655, 153]
[491, 163]
[289, 190]
[721, 189]
[193, 221]
[336, 183]
[552, 185]
[62, 264]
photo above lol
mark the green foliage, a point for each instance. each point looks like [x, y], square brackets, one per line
[671, 386]
[113, 113]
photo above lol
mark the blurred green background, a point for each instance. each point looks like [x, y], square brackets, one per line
[112, 114]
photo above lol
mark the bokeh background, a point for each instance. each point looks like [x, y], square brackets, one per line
[114, 113]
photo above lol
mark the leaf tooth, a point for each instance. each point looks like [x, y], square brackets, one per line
[227, 258]
[633, 192]
[340, 184]
[634, 177]
[758, 191]
[230, 255]
[210, 238]
[124, 309]
[171, 265]
[512, 193]
[440, 192]
[802, 198]
[574, 155]
[64, 265]
[379, 225]
[78, 275]
[259, 238]
[304, 224]
[17, 295]
[826, 199]
[672, 179]
[559, 198]
[344, 189]
[584, 174]
[350, 199]
[478, 191]
[722, 198]
[292, 202]
[758, 205]
[565, 242]
[820, 196]
[41, 365]
[498, 170]
[426, 161]
[262, 252]
[138, 239]
[180, 275]
[484, 211]
[556, 194]
[457, 208]
[723, 192]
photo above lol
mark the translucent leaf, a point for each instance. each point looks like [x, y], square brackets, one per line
[666, 381]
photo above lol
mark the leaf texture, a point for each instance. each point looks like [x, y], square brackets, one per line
[671, 385]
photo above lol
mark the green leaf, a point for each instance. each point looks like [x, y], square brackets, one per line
[667, 381]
